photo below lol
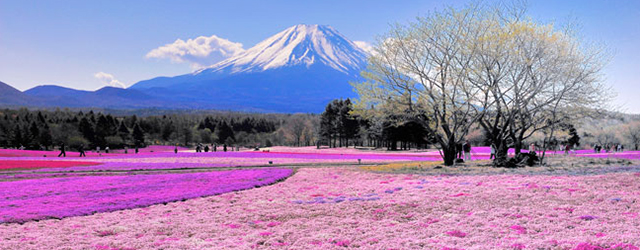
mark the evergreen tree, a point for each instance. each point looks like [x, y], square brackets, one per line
[103, 129]
[17, 139]
[86, 129]
[123, 132]
[34, 135]
[224, 131]
[328, 121]
[46, 139]
[138, 135]
[574, 138]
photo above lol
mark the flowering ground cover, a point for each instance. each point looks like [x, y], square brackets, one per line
[89, 152]
[33, 164]
[165, 160]
[150, 201]
[324, 208]
[36, 199]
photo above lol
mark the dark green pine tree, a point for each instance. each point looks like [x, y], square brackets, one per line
[46, 139]
[574, 138]
[123, 132]
[138, 135]
[17, 138]
[328, 121]
[86, 129]
[34, 135]
[224, 132]
[349, 126]
[103, 129]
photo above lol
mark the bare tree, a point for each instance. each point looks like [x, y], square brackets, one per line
[420, 71]
[482, 64]
[537, 78]
[295, 127]
[632, 133]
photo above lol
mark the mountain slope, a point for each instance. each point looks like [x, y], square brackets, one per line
[304, 65]
[299, 69]
[107, 97]
[10, 96]
[297, 48]
[298, 45]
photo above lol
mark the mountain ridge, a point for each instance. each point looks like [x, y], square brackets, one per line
[299, 69]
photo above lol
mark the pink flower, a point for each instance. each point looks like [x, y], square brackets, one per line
[457, 233]
[343, 243]
[273, 224]
[519, 229]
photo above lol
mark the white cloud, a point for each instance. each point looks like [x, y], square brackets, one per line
[367, 47]
[109, 80]
[199, 52]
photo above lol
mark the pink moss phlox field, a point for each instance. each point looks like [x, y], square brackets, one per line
[35, 164]
[38, 153]
[36, 199]
[419, 212]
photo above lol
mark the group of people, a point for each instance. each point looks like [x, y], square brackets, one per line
[464, 150]
[214, 148]
[63, 150]
[200, 148]
[597, 148]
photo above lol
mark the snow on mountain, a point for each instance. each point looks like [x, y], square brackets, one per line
[300, 45]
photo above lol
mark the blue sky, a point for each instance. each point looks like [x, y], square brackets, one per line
[69, 42]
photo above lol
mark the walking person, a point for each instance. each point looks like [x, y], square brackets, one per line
[493, 151]
[224, 147]
[63, 153]
[467, 151]
[81, 149]
[175, 150]
[106, 150]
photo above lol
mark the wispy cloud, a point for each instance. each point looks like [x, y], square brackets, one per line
[109, 80]
[367, 47]
[199, 52]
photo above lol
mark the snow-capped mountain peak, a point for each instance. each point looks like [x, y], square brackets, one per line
[300, 45]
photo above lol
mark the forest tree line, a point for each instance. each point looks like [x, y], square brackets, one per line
[44, 129]
[337, 126]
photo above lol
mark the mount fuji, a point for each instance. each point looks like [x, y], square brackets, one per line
[299, 69]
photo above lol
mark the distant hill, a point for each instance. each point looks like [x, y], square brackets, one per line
[9, 96]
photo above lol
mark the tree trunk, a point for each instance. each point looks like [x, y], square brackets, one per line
[449, 154]
[502, 153]
[518, 147]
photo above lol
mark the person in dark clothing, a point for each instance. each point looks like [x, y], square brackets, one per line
[206, 148]
[467, 151]
[136, 149]
[81, 149]
[63, 153]
[175, 150]
[215, 148]
[459, 150]
[493, 151]
[224, 147]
